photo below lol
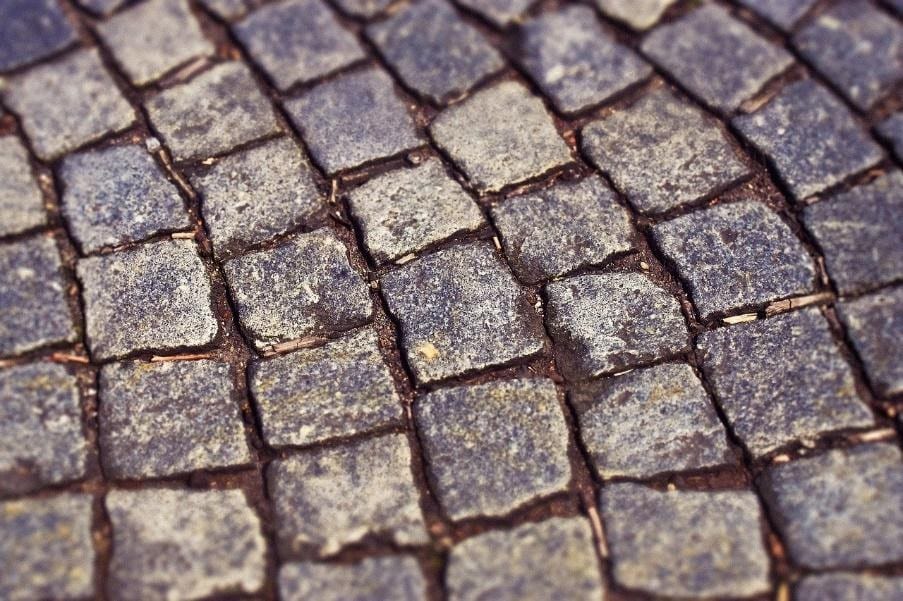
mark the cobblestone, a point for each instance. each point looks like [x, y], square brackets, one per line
[31, 30]
[875, 325]
[103, 7]
[21, 200]
[363, 8]
[783, 15]
[638, 14]
[501, 12]
[376, 579]
[849, 587]
[228, 9]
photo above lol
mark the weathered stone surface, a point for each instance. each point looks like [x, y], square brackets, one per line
[353, 119]
[45, 548]
[639, 14]
[841, 508]
[103, 7]
[493, 447]
[375, 579]
[461, 310]
[500, 136]
[659, 541]
[612, 321]
[228, 9]
[781, 380]
[152, 297]
[178, 544]
[158, 419]
[554, 559]
[780, 13]
[859, 233]
[718, 58]
[254, 195]
[333, 497]
[297, 41]
[500, 12]
[736, 255]
[662, 152]
[41, 437]
[304, 287]
[407, 210]
[849, 587]
[810, 137]
[363, 8]
[67, 103]
[213, 113]
[21, 200]
[650, 421]
[118, 195]
[31, 30]
[340, 389]
[32, 296]
[875, 324]
[891, 129]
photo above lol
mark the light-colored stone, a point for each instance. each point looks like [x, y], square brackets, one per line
[639, 14]
[21, 200]
[375, 579]
[501, 12]
[849, 587]
[363, 8]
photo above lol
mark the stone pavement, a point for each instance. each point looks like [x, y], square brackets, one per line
[453, 300]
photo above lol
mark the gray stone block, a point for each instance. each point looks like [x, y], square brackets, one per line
[21, 200]
[500, 12]
[31, 30]
[849, 587]
[376, 579]
[363, 8]
[875, 325]
[780, 13]
[638, 14]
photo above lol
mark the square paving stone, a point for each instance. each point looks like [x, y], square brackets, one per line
[363, 8]
[32, 296]
[780, 13]
[117, 195]
[891, 129]
[333, 497]
[686, 544]
[374, 579]
[500, 136]
[407, 210]
[21, 200]
[461, 310]
[499, 12]
[41, 437]
[841, 508]
[104, 7]
[494, 447]
[612, 321]
[46, 548]
[154, 38]
[304, 287]
[152, 297]
[858, 47]
[340, 389]
[875, 325]
[31, 30]
[433, 50]
[639, 14]
[781, 379]
[859, 233]
[179, 544]
[213, 113]
[254, 195]
[736, 255]
[650, 421]
[810, 137]
[297, 41]
[228, 9]
[573, 60]
[67, 103]
[849, 587]
[353, 119]
[158, 419]
[718, 58]
[554, 559]
[662, 152]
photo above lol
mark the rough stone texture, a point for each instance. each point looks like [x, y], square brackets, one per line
[849, 587]
[493, 447]
[340, 389]
[461, 310]
[554, 559]
[662, 152]
[612, 321]
[31, 30]
[639, 14]
[21, 200]
[500, 12]
[660, 540]
[333, 497]
[154, 38]
[41, 437]
[211, 114]
[407, 210]
[304, 287]
[841, 508]
[256, 194]
[780, 13]
[363, 8]
[810, 137]
[736, 255]
[297, 41]
[118, 195]
[433, 50]
[45, 548]
[891, 129]
[650, 421]
[178, 544]
[158, 419]
[152, 297]
[781, 380]
[32, 296]
[875, 325]
[718, 58]
[562, 228]
[376, 579]
[353, 119]
[67, 103]
[858, 47]
[104, 7]
[500, 136]
[228, 9]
